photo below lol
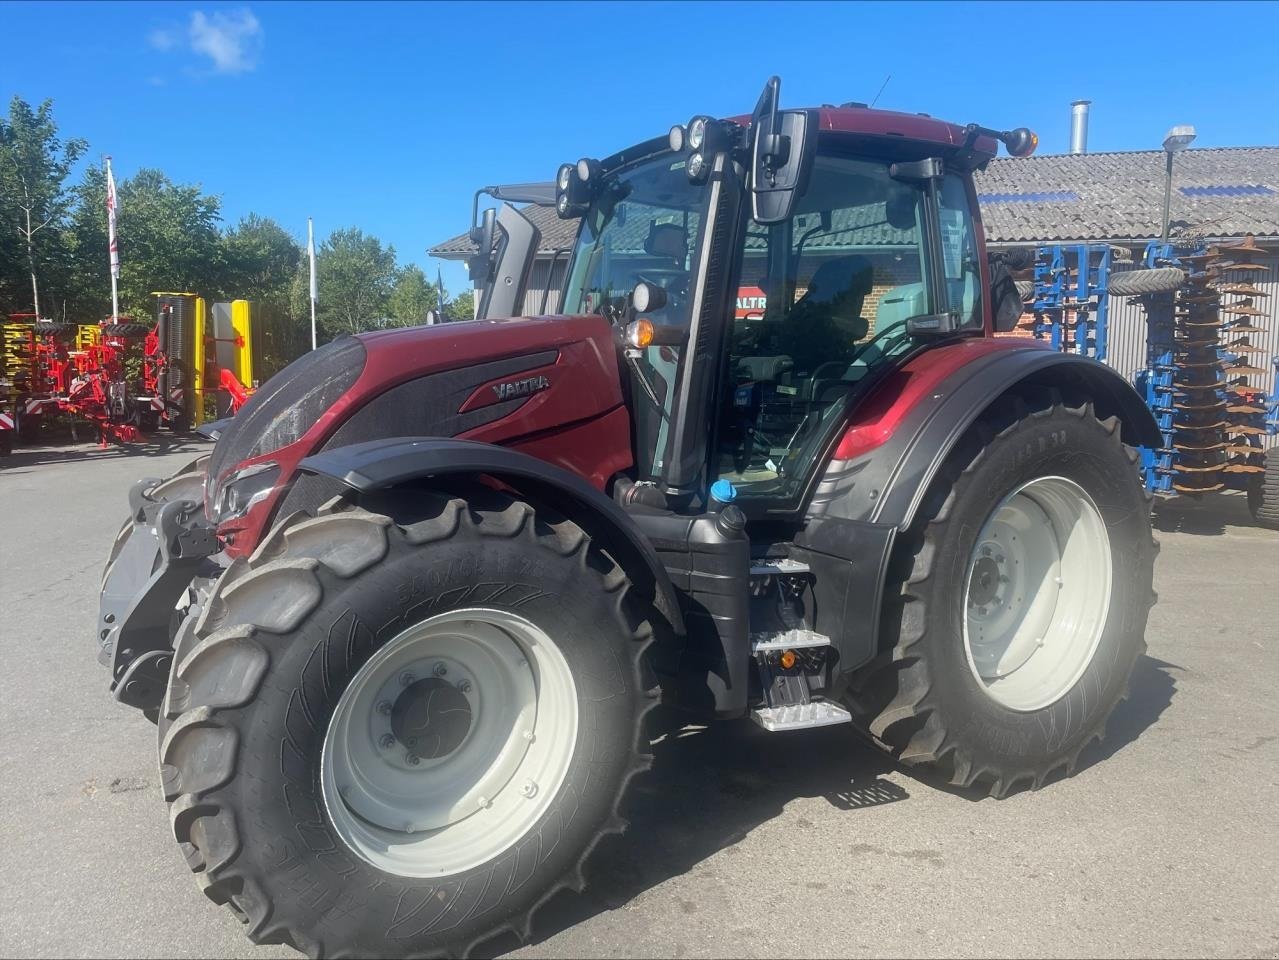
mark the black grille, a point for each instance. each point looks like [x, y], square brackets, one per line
[287, 405]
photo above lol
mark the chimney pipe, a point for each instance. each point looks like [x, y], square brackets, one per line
[1079, 126]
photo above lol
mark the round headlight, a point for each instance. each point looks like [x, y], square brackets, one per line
[696, 166]
[676, 138]
[562, 178]
[697, 133]
[561, 204]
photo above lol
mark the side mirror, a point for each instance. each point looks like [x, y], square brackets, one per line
[480, 266]
[781, 159]
[781, 155]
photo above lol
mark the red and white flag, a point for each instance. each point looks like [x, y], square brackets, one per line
[111, 208]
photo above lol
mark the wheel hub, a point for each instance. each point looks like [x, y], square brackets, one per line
[983, 587]
[431, 718]
[448, 744]
[1037, 593]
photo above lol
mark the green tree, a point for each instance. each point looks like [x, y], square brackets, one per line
[461, 307]
[411, 297]
[34, 201]
[356, 276]
[262, 261]
[168, 237]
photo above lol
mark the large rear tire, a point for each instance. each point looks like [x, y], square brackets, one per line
[1021, 603]
[398, 737]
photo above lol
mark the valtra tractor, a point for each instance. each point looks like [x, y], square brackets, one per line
[400, 629]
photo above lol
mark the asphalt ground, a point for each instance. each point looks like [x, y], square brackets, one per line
[743, 843]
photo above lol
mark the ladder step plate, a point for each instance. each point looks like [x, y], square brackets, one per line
[800, 716]
[789, 640]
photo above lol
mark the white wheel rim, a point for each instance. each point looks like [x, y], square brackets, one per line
[1036, 593]
[485, 703]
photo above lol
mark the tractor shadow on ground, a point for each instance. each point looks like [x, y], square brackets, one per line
[52, 452]
[1209, 515]
[710, 787]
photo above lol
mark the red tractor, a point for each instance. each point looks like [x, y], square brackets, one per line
[400, 629]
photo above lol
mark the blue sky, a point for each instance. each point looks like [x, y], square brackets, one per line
[389, 116]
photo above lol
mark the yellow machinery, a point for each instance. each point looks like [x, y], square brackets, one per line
[216, 378]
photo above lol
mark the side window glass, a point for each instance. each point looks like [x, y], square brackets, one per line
[823, 299]
[959, 252]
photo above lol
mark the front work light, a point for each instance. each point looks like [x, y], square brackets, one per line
[696, 167]
[563, 177]
[697, 132]
[676, 139]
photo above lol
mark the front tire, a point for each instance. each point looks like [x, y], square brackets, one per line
[287, 794]
[1021, 605]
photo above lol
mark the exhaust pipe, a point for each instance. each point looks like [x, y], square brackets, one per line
[1079, 126]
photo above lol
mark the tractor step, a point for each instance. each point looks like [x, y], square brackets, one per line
[800, 716]
[777, 567]
[787, 640]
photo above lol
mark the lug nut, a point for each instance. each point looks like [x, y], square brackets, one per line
[440, 670]
[412, 759]
[465, 686]
[406, 678]
[384, 708]
[529, 789]
[386, 741]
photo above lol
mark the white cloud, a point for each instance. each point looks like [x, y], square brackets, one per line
[164, 38]
[232, 40]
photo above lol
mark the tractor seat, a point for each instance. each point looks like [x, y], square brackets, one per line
[836, 293]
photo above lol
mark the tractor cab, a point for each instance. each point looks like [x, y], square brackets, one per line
[762, 272]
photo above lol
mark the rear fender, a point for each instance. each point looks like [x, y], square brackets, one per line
[384, 464]
[876, 488]
[885, 481]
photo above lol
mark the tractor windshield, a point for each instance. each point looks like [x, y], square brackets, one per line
[645, 224]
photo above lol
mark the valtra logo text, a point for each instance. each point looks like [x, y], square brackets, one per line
[520, 388]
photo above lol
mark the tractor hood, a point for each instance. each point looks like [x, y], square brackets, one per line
[520, 382]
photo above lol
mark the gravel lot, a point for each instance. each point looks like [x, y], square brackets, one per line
[743, 843]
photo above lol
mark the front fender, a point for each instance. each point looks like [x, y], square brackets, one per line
[382, 464]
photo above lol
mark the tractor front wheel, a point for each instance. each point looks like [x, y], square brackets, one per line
[398, 734]
[1021, 602]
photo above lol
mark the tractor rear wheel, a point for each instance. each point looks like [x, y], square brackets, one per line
[399, 734]
[1263, 494]
[1021, 605]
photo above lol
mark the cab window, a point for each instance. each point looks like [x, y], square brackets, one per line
[824, 298]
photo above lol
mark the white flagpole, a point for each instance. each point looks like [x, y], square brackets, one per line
[315, 292]
[113, 249]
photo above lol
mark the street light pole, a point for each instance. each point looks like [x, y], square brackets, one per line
[1178, 139]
